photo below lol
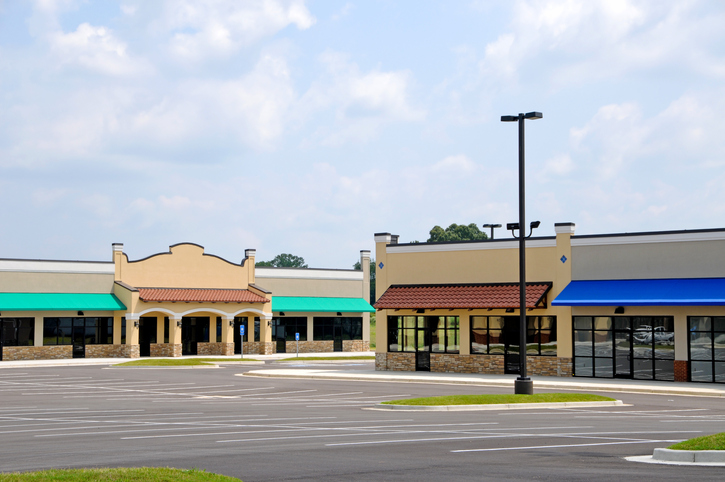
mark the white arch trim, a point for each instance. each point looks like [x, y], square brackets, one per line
[178, 316]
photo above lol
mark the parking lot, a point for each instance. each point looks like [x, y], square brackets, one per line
[292, 429]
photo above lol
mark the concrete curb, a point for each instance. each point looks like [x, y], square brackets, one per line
[578, 385]
[696, 456]
[494, 406]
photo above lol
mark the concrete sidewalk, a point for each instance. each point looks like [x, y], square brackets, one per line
[261, 359]
[578, 384]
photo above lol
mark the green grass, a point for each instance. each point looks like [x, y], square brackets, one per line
[143, 474]
[314, 358]
[708, 442]
[508, 398]
[178, 362]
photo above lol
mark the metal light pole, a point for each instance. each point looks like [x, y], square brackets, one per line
[492, 226]
[523, 384]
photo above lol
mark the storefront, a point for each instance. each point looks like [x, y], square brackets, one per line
[175, 303]
[647, 306]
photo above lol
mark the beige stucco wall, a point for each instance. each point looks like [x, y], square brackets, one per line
[184, 266]
[683, 259]
[28, 282]
[311, 287]
[494, 262]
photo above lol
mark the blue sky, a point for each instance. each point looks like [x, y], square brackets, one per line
[305, 127]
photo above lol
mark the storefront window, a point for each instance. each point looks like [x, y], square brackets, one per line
[499, 335]
[706, 348]
[640, 347]
[436, 334]
[17, 331]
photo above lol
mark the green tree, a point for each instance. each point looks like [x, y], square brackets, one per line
[456, 232]
[358, 266]
[284, 260]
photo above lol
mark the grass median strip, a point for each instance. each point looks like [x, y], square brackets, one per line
[501, 399]
[707, 442]
[150, 474]
[180, 362]
[327, 358]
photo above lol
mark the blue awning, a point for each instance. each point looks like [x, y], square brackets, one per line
[644, 292]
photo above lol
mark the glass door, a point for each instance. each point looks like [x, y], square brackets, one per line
[78, 338]
[623, 354]
[423, 343]
[188, 336]
[337, 335]
[512, 339]
[280, 334]
[146, 335]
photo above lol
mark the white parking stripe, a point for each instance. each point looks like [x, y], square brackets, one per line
[566, 446]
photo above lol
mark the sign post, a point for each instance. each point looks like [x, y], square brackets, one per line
[241, 334]
[297, 342]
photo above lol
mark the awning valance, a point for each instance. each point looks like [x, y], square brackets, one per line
[644, 292]
[309, 304]
[59, 302]
[490, 295]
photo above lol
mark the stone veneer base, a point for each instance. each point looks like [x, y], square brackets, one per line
[455, 363]
[165, 349]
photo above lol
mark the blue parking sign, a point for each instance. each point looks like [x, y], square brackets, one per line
[241, 330]
[297, 337]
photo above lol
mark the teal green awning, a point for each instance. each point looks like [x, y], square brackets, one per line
[59, 302]
[297, 304]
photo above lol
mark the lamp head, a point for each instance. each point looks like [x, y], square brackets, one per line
[491, 225]
[512, 226]
[509, 118]
[535, 224]
[533, 115]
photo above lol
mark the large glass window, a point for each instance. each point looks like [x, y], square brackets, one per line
[499, 335]
[18, 331]
[640, 347]
[331, 327]
[287, 327]
[706, 348]
[93, 330]
[437, 334]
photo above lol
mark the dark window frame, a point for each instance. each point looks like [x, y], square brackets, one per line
[534, 335]
[712, 360]
[424, 326]
[11, 335]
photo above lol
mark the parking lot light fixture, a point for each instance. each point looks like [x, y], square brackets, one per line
[523, 384]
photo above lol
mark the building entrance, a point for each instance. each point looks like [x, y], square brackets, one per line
[146, 334]
[194, 330]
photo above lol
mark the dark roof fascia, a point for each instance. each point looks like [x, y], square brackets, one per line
[437, 285]
[126, 286]
[649, 233]
[56, 260]
[179, 244]
[259, 288]
[309, 269]
[497, 240]
[196, 289]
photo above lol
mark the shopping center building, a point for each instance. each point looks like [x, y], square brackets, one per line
[635, 305]
[180, 302]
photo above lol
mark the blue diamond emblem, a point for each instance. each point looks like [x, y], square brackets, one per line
[563, 259]
[381, 265]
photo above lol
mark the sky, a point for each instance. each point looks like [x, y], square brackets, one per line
[305, 127]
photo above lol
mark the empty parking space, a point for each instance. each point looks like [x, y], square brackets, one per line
[314, 429]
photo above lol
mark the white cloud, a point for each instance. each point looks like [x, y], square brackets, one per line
[94, 48]
[362, 102]
[220, 27]
[252, 108]
[459, 164]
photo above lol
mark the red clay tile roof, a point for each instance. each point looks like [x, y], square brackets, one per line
[500, 295]
[199, 295]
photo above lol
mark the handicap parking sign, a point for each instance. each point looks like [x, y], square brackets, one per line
[297, 337]
[241, 330]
